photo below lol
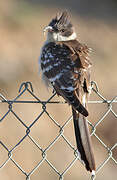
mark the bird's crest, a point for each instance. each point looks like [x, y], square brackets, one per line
[62, 20]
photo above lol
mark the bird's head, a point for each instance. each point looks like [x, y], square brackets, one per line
[60, 28]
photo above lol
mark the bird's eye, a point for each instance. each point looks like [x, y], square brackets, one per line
[63, 30]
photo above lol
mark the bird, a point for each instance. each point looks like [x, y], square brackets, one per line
[66, 67]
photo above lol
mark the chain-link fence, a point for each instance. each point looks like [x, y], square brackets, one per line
[27, 88]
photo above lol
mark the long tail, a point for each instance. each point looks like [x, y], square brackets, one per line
[83, 140]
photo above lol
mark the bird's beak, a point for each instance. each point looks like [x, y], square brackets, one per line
[48, 28]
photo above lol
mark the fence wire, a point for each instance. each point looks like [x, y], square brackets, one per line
[27, 87]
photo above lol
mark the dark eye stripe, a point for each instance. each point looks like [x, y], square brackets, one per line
[63, 30]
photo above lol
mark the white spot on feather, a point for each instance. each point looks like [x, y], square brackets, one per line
[93, 173]
[47, 69]
[84, 100]
[79, 156]
[56, 64]
[70, 88]
[56, 77]
[46, 61]
[89, 89]
[50, 55]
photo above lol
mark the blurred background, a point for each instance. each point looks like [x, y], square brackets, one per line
[21, 38]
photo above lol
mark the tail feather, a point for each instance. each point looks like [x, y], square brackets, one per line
[78, 106]
[73, 100]
[83, 140]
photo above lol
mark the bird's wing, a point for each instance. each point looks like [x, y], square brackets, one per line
[64, 68]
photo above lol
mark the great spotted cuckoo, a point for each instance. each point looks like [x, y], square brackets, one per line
[65, 66]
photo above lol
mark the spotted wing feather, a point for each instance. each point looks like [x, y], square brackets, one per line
[58, 67]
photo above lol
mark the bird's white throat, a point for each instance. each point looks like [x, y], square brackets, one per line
[54, 37]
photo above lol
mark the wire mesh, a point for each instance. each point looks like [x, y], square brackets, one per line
[27, 87]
